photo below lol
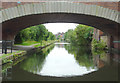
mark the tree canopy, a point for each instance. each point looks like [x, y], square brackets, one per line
[81, 35]
[34, 33]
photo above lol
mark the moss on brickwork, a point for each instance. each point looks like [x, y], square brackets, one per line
[8, 58]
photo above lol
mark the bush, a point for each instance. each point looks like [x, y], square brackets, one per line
[98, 45]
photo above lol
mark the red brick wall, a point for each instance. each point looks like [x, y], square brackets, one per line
[100, 33]
[110, 5]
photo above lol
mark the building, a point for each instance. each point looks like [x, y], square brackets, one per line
[60, 36]
[99, 35]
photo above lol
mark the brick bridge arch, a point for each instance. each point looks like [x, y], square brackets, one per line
[22, 16]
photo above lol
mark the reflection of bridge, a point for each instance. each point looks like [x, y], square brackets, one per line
[101, 15]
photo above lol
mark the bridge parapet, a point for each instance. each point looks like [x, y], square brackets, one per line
[111, 5]
[60, 7]
[102, 15]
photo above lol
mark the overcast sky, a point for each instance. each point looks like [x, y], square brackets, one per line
[60, 27]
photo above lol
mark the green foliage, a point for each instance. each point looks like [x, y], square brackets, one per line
[35, 62]
[98, 45]
[5, 67]
[67, 36]
[82, 35]
[98, 48]
[82, 55]
[11, 56]
[28, 43]
[35, 33]
[20, 59]
[18, 38]
[58, 37]
[98, 52]
[6, 55]
[44, 43]
[6, 61]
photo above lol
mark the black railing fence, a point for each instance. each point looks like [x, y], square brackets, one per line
[6, 44]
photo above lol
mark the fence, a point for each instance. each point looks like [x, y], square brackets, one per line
[6, 44]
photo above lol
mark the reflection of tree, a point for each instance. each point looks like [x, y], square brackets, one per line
[82, 54]
[34, 62]
[99, 58]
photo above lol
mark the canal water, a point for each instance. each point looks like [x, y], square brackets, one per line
[63, 62]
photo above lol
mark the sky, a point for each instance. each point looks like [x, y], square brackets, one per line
[60, 27]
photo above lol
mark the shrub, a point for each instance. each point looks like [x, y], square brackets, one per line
[98, 45]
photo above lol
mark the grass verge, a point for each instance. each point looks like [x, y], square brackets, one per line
[28, 43]
[44, 43]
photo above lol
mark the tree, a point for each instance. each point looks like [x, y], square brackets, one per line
[68, 35]
[82, 35]
[34, 33]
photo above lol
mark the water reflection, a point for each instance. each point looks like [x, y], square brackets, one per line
[35, 62]
[63, 61]
[82, 54]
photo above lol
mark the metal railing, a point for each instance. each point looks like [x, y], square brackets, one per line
[6, 44]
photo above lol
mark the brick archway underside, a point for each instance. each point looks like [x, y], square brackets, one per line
[11, 27]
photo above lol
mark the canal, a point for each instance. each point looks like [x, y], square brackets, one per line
[63, 62]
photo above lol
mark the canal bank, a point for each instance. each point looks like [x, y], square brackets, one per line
[20, 51]
[63, 62]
